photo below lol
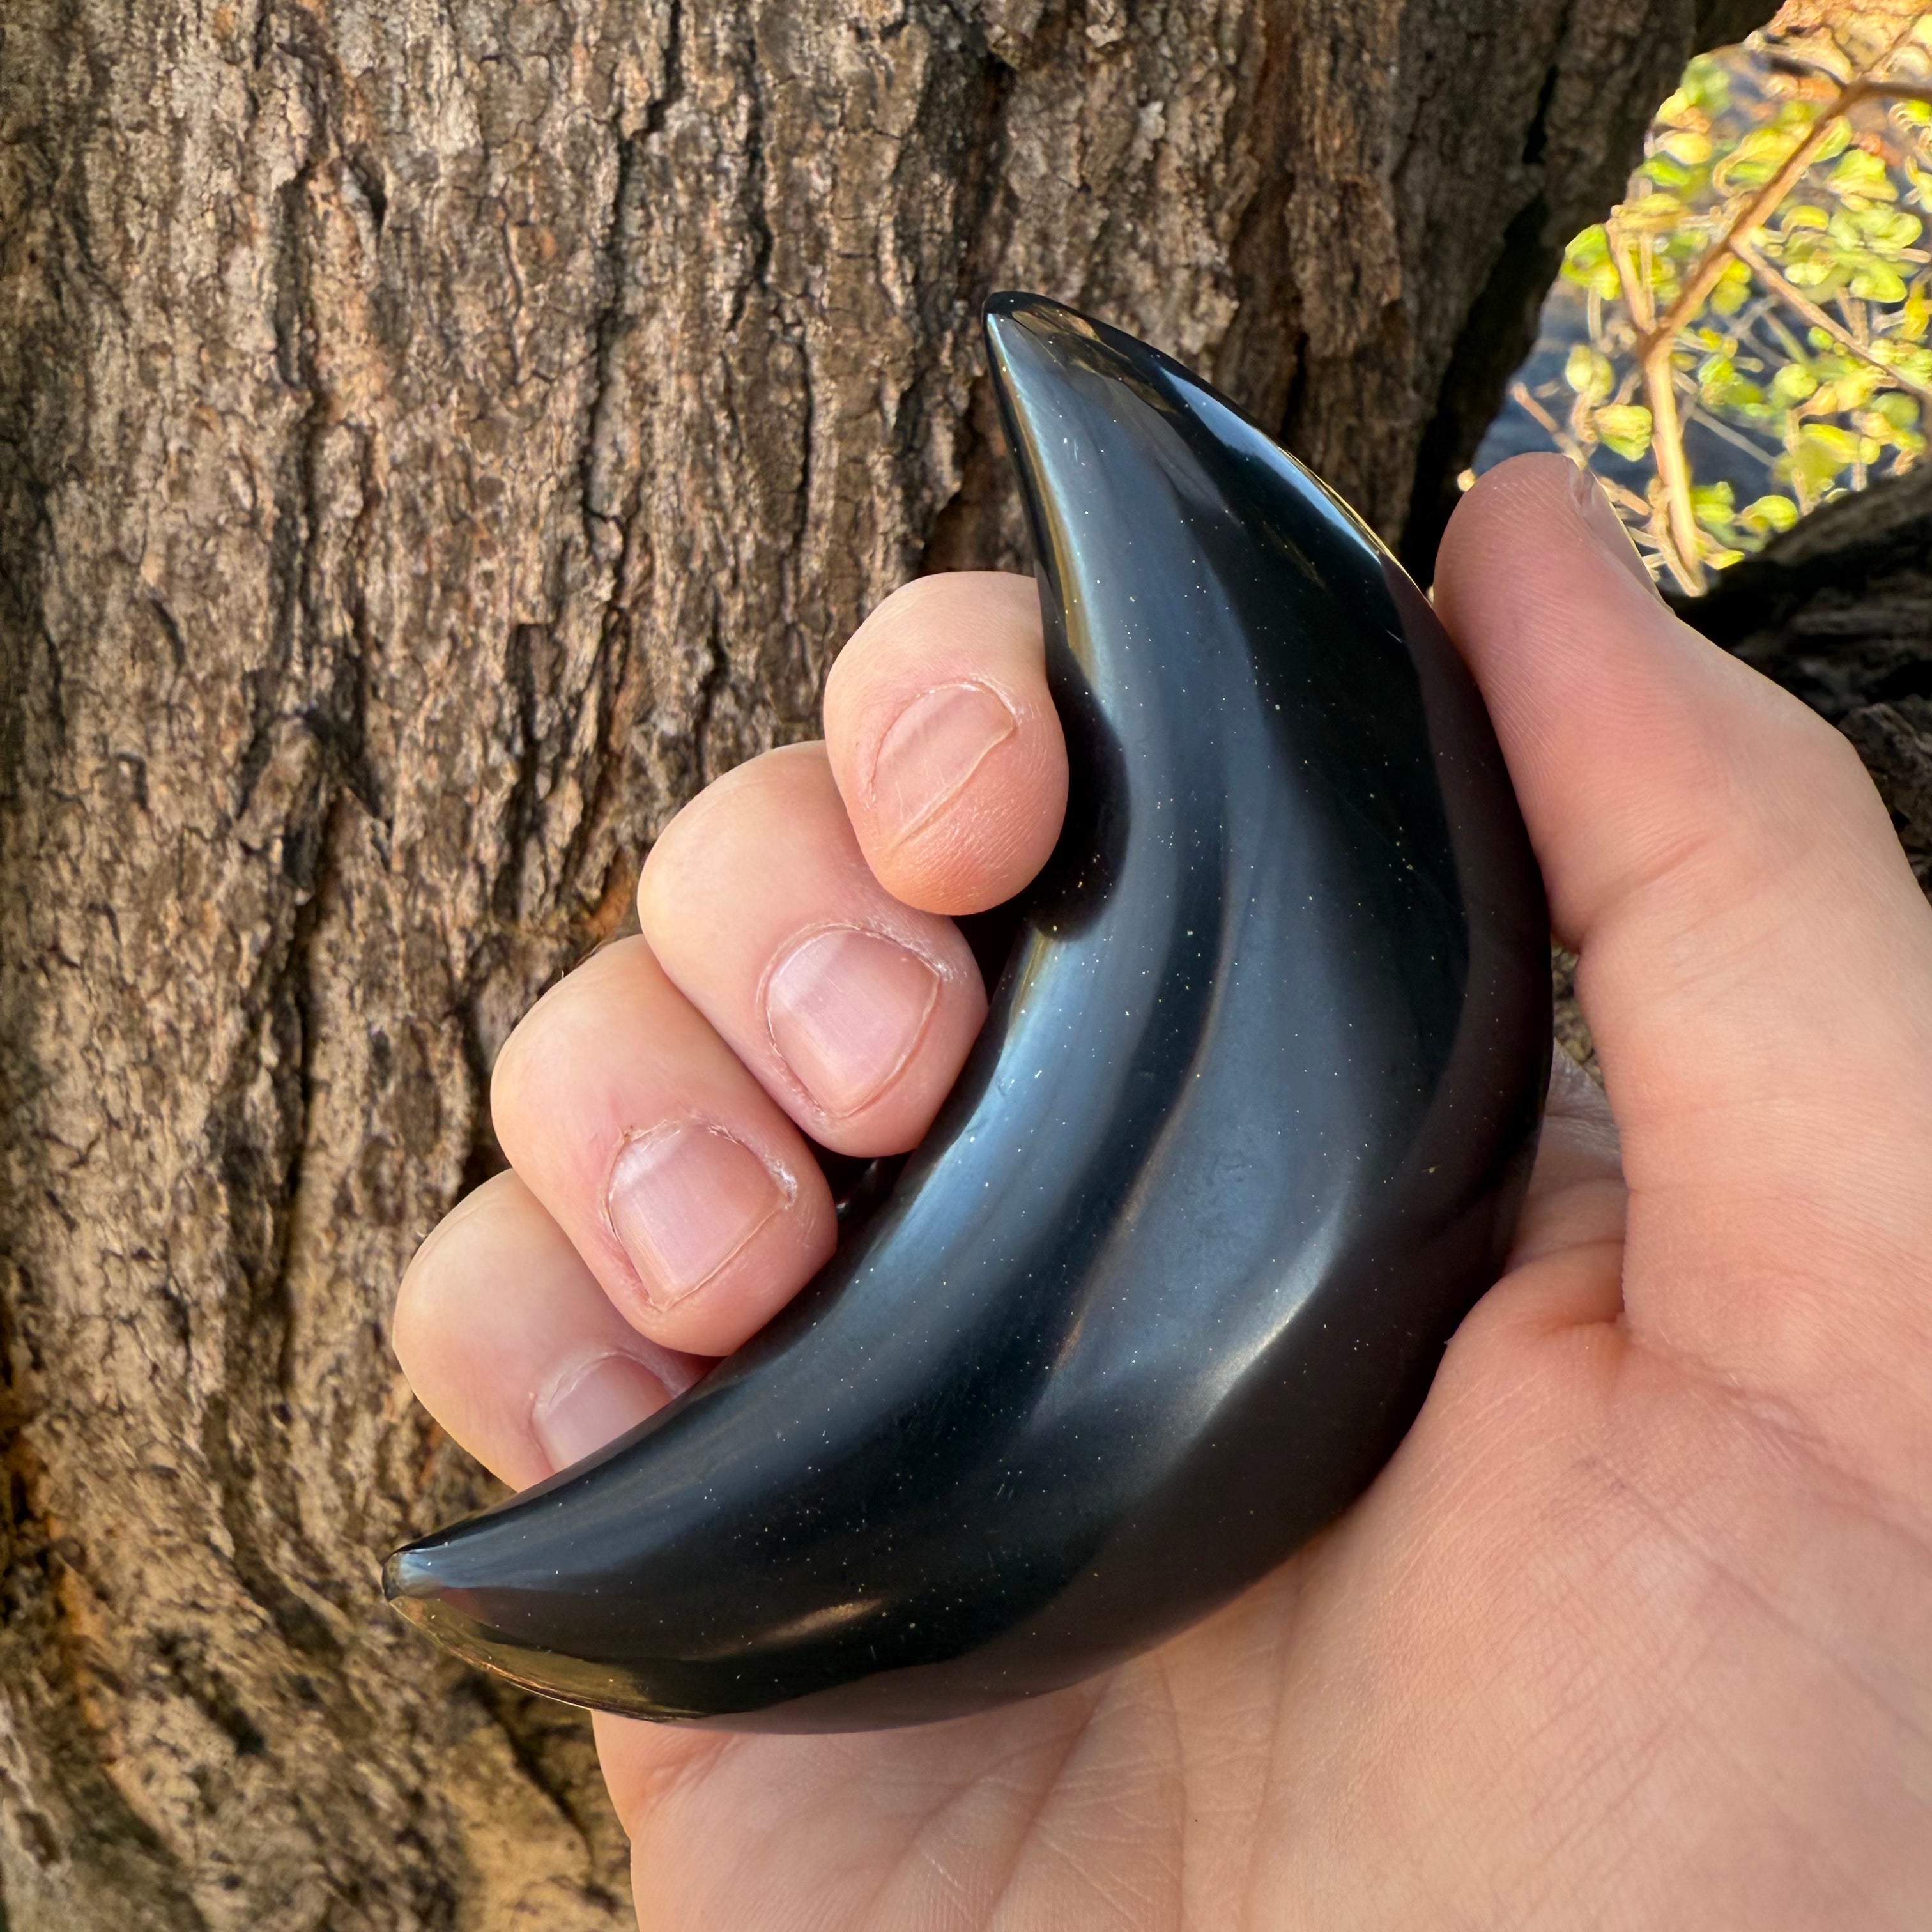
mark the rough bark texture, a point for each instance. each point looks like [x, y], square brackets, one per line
[433, 440]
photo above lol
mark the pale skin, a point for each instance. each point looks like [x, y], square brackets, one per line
[1636, 1629]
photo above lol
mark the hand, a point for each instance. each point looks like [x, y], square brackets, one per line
[1636, 1629]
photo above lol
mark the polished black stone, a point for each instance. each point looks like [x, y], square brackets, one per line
[1244, 1138]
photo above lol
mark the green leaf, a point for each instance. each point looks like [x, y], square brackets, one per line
[1720, 386]
[1856, 386]
[1901, 411]
[1588, 372]
[1758, 156]
[1916, 363]
[1840, 443]
[1774, 145]
[1658, 212]
[1668, 173]
[1711, 505]
[1861, 173]
[1688, 146]
[1876, 281]
[1803, 215]
[1588, 247]
[1815, 464]
[1603, 280]
[1733, 288]
[1625, 428]
[1769, 514]
[1792, 384]
[1707, 84]
[1587, 260]
[1816, 271]
[1888, 227]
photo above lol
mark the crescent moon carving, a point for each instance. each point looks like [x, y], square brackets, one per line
[1244, 1138]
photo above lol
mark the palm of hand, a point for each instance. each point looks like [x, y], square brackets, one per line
[1636, 1628]
[1607, 1638]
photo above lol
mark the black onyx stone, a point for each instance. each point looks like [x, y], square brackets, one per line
[1244, 1137]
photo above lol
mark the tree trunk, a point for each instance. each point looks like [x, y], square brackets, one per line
[433, 441]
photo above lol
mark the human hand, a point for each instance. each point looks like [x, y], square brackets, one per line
[1636, 1628]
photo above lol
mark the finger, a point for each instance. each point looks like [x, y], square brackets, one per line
[509, 1342]
[854, 1010]
[690, 1196]
[1756, 960]
[945, 743]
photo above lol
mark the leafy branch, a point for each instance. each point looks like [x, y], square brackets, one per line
[1802, 305]
[1657, 346]
[1791, 331]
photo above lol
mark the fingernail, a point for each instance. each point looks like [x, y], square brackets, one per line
[934, 745]
[1603, 523]
[845, 1010]
[593, 1406]
[682, 1200]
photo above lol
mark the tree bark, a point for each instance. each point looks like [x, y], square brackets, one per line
[433, 441]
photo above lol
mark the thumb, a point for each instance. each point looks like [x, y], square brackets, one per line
[1755, 964]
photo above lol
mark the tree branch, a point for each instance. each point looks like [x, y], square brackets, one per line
[1822, 319]
[1704, 277]
[1673, 467]
[1656, 339]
